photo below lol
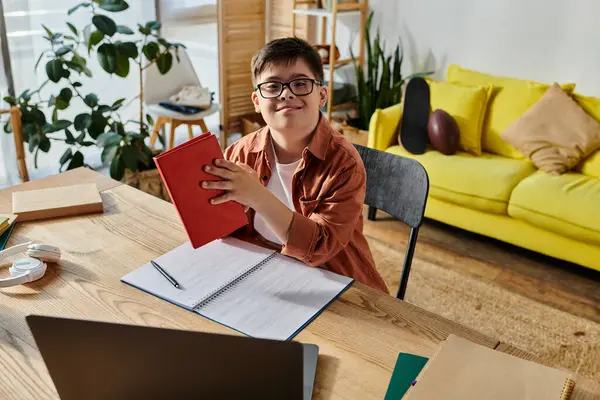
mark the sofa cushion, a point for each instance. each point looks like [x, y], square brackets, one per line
[510, 99]
[567, 204]
[591, 165]
[555, 133]
[480, 182]
[467, 105]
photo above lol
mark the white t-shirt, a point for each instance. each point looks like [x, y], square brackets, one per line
[280, 185]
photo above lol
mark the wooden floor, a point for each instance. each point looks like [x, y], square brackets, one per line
[560, 284]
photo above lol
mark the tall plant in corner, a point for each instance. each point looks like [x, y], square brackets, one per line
[66, 67]
[380, 86]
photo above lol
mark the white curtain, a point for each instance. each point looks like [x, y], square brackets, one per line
[24, 19]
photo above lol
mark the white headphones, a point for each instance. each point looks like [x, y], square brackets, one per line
[30, 268]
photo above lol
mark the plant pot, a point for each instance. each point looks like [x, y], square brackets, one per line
[148, 181]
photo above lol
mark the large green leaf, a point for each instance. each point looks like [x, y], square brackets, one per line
[63, 50]
[113, 5]
[73, 29]
[108, 153]
[54, 70]
[104, 24]
[61, 124]
[75, 8]
[39, 116]
[124, 30]
[164, 63]
[80, 138]
[151, 50]
[67, 155]
[48, 128]
[82, 122]
[76, 161]
[130, 157]
[75, 67]
[117, 104]
[154, 25]
[143, 30]
[108, 139]
[44, 144]
[95, 38]
[91, 100]
[98, 124]
[104, 108]
[117, 168]
[61, 104]
[127, 48]
[107, 56]
[66, 94]
[122, 65]
[70, 139]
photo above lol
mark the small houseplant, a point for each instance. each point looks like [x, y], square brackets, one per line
[101, 125]
[379, 85]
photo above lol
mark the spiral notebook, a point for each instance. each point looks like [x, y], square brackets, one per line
[254, 290]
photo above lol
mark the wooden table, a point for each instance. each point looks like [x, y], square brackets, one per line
[359, 335]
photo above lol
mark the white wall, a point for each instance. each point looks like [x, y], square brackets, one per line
[545, 40]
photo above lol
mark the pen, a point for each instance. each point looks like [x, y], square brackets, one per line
[164, 273]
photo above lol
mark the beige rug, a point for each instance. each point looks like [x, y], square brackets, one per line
[544, 331]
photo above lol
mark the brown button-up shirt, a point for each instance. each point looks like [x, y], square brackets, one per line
[328, 191]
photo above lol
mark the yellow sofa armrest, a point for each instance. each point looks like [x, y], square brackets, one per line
[382, 127]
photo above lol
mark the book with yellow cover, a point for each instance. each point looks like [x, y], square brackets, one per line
[6, 220]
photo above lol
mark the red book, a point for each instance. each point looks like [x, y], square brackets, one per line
[182, 171]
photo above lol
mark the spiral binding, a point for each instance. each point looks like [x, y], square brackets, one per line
[568, 388]
[232, 283]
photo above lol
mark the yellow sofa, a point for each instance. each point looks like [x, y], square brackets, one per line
[506, 197]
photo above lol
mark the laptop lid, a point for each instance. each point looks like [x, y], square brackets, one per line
[99, 360]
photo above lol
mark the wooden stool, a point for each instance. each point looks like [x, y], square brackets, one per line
[161, 121]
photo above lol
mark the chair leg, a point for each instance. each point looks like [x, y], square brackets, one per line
[190, 132]
[203, 126]
[412, 242]
[372, 213]
[174, 124]
[160, 121]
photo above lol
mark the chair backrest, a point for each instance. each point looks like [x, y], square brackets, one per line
[159, 87]
[396, 185]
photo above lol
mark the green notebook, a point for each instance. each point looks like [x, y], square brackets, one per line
[408, 367]
[5, 236]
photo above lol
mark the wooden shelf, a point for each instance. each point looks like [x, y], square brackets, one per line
[320, 12]
[358, 8]
[344, 106]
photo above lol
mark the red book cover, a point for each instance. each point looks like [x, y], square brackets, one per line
[182, 171]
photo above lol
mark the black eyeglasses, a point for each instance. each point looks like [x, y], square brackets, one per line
[299, 87]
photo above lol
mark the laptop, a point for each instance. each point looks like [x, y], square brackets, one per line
[100, 360]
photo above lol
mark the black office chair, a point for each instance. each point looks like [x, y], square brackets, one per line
[398, 186]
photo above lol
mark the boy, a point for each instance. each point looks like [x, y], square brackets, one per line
[301, 183]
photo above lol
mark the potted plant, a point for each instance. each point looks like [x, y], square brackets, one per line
[379, 86]
[122, 142]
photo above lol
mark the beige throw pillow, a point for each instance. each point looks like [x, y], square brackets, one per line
[555, 133]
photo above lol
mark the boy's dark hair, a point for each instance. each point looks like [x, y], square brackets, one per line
[286, 51]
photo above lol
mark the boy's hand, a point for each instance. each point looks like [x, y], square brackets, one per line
[241, 183]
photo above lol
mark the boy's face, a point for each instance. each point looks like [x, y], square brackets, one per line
[290, 110]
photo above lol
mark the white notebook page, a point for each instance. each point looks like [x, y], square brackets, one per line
[199, 272]
[276, 300]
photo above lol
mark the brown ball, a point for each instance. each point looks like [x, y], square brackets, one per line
[443, 132]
